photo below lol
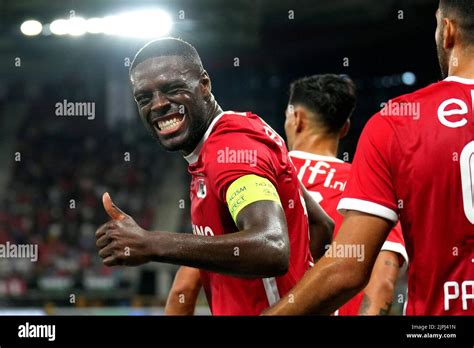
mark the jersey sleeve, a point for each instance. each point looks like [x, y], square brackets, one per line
[396, 244]
[235, 155]
[370, 185]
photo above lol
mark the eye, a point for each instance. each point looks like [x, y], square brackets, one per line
[175, 89]
[142, 100]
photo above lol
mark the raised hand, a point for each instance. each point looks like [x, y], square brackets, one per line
[121, 241]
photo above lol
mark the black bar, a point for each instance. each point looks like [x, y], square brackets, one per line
[135, 331]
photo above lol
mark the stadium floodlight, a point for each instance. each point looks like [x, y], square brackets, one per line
[31, 28]
[59, 27]
[409, 78]
[95, 25]
[77, 26]
[139, 24]
[151, 23]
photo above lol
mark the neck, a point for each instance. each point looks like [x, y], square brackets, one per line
[213, 111]
[319, 144]
[464, 66]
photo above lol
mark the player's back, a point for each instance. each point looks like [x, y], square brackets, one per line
[432, 164]
[325, 179]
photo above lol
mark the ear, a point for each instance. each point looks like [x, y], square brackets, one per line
[299, 119]
[450, 32]
[206, 86]
[345, 129]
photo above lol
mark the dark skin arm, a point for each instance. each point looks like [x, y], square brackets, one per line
[259, 250]
[187, 282]
[335, 280]
[321, 226]
[184, 292]
[378, 294]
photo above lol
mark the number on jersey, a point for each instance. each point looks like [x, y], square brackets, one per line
[467, 178]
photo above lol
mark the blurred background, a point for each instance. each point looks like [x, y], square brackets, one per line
[54, 169]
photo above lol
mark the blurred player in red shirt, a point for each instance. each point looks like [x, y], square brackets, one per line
[414, 162]
[317, 117]
[249, 213]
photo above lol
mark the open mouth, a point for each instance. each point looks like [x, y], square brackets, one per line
[169, 124]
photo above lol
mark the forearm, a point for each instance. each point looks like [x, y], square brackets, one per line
[181, 303]
[378, 295]
[249, 253]
[320, 239]
[321, 226]
[184, 292]
[308, 297]
[336, 279]
[377, 302]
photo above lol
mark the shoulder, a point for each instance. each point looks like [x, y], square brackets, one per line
[425, 94]
[241, 122]
[242, 130]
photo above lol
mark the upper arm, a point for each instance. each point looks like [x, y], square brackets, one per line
[364, 232]
[370, 188]
[369, 200]
[265, 216]
[255, 206]
[254, 203]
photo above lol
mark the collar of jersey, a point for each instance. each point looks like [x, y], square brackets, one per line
[314, 157]
[193, 156]
[460, 80]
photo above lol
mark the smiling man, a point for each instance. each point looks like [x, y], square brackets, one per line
[250, 219]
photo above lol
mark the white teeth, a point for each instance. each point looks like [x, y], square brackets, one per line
[169, 124]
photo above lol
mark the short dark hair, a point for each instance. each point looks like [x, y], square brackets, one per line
[168, 47]
[463, 11]
[331, 97]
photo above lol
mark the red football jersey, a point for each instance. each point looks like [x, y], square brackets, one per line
[325, 178]
[415, 160]
[235, 145]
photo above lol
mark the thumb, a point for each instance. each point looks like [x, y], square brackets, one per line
[114, 212]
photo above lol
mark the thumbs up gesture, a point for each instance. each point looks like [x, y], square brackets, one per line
[114, 212]
[121, 241]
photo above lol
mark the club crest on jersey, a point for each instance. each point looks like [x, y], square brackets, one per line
[201, 191]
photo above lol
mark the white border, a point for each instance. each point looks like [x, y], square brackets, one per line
[399, 249]
[271, 289]
[367, 207]
[459, 79]
[314, 157]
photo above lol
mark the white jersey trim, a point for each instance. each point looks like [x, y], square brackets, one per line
[460, 80]
[193, 156]
[399, 249]
[271, 289]
[367, 207]
[314, 157]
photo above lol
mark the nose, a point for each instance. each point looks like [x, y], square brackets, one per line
[160, 104]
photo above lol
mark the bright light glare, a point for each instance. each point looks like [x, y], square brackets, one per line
[95, 25]
[59, 27]
[76, 26]
[31, 28]
[140, 24]
[409, 78]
